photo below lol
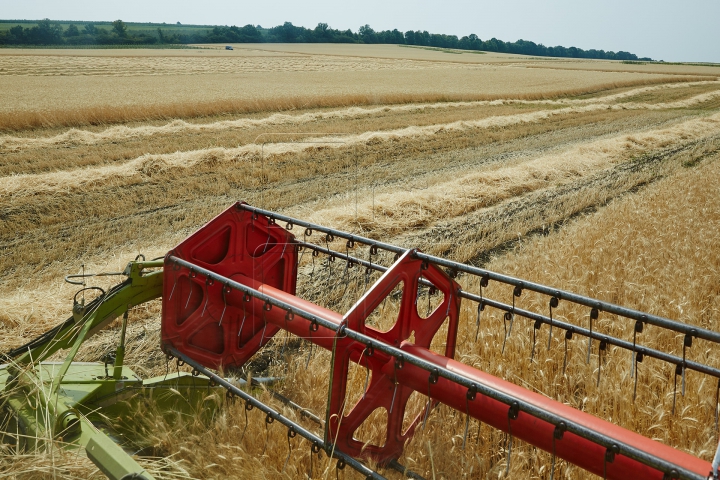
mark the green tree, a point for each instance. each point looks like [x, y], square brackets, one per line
[45, 33]
[72, 31]
[120, 28]
[367, 34]
[321, 32]
[17, 35]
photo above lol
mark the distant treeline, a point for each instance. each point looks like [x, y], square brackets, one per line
[46, 32]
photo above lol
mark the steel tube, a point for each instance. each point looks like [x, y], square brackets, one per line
[689, 364]
[649, 352]
[674, 325]
[579, 299]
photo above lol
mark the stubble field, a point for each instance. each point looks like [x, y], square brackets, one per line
[596, 177]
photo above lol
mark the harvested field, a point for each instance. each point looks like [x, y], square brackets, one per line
[596, 177]
[47, 88]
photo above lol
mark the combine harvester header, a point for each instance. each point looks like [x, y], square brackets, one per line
[229, 288]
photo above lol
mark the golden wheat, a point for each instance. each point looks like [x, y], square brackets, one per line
[53, 89]
[85, 137]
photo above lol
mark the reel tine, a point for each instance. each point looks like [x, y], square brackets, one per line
[717, 401]
[536, 327]
[307, 361]
[429, 309]
[609, 458]
[594, 313]
[678, 371]
[224, 291]
[554, 301]
[558, 433]
[392, 403]
[285, 342]
[467, 425]
[510, 316]
[312, 273]
[340, 465]
[506, 317]
[470, 395]
[603, 346]
[268, 421]
[189, 294]
[262, 335]
[512, 415]
[480, 309]
[246, 420]
[633, 365]
[246, 298]
[208, 283]
[313, 327]
[687, 342]
[173, 290]
[517, 291]
[398, 362]
[314, 448]
[638, 358]
[484, 281]
[175, 268]
[432, 380]
[367, 379]
[568, 336]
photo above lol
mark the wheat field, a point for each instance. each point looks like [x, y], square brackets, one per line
[592, 176]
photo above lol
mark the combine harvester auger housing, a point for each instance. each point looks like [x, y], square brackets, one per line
[220, 308]
[229, 288]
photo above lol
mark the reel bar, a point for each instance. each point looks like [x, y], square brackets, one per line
[648, 352]
[342, 256]
[589, 430]
[666, 323]
[275, 415]
[304, 412]
[611, 340]
[395, 465]
[630, 313]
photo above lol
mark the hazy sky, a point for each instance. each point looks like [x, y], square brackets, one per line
[675, 30]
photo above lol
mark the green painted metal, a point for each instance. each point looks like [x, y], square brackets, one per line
[140, 287]
[84, 404]
[91, 408]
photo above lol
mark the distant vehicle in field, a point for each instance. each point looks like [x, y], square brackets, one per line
[228, 47]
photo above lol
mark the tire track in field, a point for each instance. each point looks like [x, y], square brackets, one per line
[390, 213]
[23, 185]
[85, 137]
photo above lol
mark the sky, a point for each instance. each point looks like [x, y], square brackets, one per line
[674, 30]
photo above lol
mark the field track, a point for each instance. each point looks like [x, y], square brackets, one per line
[609, 191]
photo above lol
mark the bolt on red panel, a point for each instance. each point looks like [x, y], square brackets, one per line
[208, 321]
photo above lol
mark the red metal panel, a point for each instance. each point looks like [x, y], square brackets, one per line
[212, 323]
[383, 391]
